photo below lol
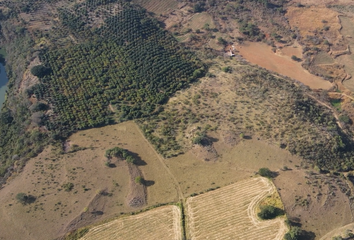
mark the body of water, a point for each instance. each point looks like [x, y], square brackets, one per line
[3, 82]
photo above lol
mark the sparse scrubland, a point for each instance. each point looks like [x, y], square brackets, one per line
[257, 103]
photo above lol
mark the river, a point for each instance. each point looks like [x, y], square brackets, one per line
[3, 82]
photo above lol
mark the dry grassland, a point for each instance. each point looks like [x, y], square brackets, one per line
[234, 164]
[59, 210]
[317, 24]
[229, 213]
[160, 223]
[319, 201]
[342, 231]
[262, 55]
[199, 20]
[311, 19]
[158, 6]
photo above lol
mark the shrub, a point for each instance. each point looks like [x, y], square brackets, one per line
[294, 234]
[227, 69]
[265, 172]
[270, 212]
[130, 159]
[25, 199]
[293, 57]
[345, 119]
[68, 186]
[139, 180]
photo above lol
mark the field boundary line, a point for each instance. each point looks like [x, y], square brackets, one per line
[178, 187]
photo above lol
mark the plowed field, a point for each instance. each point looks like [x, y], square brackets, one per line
[229, 213]
[160, 223]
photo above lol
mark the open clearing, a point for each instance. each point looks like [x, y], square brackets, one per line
[59, 210]
[199, 20]
[262, 55]
[229, 213]
[160, 223]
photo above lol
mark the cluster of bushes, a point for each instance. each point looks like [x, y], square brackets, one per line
[270, 212]
[122, 153]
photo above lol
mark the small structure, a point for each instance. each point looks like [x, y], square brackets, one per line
[230, 50]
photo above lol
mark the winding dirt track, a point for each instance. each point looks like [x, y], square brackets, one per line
[229, 213]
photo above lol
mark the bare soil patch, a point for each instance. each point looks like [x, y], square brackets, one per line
[262, 55]
[137, 195]
[160, 223]
[205, 153]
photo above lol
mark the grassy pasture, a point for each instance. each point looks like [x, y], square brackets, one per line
[229, 213]
[160, 223]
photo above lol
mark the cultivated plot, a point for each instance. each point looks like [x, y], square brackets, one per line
[160, 223]
[229, 213]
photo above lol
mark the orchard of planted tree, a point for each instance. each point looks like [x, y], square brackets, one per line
[129, 62]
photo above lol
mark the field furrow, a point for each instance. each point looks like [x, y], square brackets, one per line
[160, 223]
[229, 213]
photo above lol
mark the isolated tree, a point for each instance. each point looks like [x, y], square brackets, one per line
[270, 212]
[25, 199]
[265, 172]
[139, 180]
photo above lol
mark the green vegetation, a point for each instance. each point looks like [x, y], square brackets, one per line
[336, 103]
[139, 180]
[24, 198]
[270, 212]
[345, 118]
[293, 57]
[295, 233]
[40, 71]
[265, 172]
[263, 105]
[120, 153]
[227, 69]
[68, 186]
[138, 77]
[77, 234]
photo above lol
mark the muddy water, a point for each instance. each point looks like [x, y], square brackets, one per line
[281, 62]
[3, 82]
